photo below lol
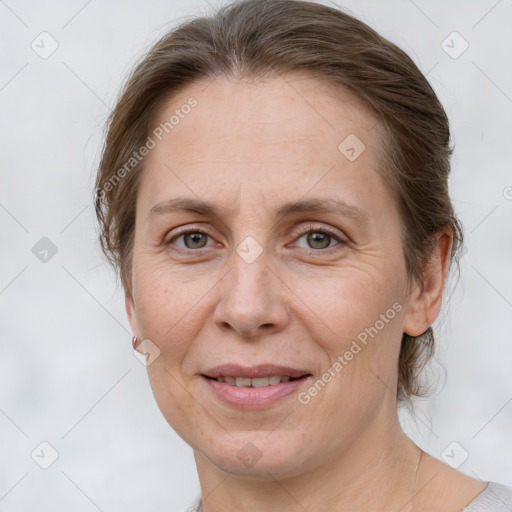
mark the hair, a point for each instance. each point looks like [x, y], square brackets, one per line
[254, 39]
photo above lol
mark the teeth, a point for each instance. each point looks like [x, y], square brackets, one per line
[275, 379]
[258, 382]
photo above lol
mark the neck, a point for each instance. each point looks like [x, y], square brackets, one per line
[377, 471]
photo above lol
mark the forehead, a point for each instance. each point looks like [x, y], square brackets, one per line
[288, 105]
[275, 137]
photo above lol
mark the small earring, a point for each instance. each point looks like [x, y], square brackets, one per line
[134, 342]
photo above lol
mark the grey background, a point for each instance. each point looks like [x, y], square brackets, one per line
[68, 375]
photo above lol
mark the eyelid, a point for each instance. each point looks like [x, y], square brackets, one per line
[322, 229]
[183, 230]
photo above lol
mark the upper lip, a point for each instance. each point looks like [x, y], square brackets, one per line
[252, 372]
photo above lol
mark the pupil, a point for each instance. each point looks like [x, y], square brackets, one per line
[196, 239]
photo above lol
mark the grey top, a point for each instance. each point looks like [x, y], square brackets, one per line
[494, 498]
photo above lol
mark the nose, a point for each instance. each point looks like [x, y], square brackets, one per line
[253, 300]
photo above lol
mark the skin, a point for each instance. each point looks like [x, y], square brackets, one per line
[249, 147]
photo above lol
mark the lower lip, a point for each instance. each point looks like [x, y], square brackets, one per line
[246, 397]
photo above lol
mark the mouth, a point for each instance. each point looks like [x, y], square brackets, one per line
[257, 382]
[254, 387]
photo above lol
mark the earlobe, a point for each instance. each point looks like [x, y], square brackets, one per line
[426, 298]
[416, 317]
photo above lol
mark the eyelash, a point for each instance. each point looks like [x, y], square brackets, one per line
[310, 229]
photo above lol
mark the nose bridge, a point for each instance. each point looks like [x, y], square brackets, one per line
[250, 297]
[250, 273]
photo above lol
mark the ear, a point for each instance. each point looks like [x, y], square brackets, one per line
[426, 297]
[132, 318]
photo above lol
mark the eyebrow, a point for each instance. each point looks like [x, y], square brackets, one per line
[312, 205]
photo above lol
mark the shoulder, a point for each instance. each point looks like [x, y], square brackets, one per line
[450, 490]
[495, 497]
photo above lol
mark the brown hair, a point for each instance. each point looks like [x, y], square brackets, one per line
[257, 39]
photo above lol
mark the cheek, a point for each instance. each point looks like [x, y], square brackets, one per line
[357, 324]
[181, 412]
[166, 306]
[347, 302]
[168, 310]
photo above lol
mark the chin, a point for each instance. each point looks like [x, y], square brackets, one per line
[257, 455]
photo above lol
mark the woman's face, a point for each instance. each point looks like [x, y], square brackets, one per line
[292, 267]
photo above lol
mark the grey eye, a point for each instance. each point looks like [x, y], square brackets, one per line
[318, 239]
[192, 239]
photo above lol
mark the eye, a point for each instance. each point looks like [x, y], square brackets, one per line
[192, 239]
[319, 238]
[316, 238]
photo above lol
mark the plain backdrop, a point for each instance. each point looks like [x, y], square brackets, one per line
[68, 374]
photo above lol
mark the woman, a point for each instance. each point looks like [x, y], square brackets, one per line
[274, 193]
